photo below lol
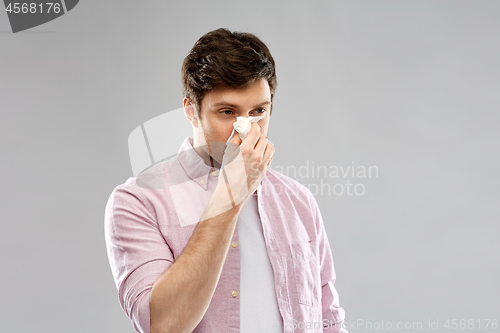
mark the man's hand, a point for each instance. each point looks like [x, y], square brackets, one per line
[243, 167]
[245, 164]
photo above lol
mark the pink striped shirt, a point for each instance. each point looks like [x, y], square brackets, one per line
[144, 236]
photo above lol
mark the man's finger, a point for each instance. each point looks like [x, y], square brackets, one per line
[254, 135]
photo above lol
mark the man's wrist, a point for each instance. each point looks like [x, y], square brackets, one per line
[221, 202]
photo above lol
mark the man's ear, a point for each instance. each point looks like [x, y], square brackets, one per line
[190, 112]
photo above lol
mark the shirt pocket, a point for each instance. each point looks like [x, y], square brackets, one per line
[307, 272]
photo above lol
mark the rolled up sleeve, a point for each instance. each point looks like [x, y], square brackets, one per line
[137, 252]
[332, 312]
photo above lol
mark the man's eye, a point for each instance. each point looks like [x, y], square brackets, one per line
[261, 110]
[226, 112]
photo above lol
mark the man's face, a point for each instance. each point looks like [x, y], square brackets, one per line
[219, 109]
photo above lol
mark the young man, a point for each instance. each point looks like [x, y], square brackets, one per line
[227, 244]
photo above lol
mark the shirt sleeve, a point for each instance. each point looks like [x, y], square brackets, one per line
[332, 312]
[137, 252]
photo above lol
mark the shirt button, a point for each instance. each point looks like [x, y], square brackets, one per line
[214, 173]
[234, 293]
[234, 244]
[281, 294]
[202, 182]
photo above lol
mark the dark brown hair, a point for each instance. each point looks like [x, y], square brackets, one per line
[222, 58]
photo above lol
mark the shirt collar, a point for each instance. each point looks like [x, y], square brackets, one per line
[193, 164]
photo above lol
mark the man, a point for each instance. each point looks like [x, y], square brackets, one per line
[213, 240]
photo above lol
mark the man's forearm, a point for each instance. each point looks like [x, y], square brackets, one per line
[181, 296]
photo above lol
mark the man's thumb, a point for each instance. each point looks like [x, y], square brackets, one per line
[234, 138]
[232, 145]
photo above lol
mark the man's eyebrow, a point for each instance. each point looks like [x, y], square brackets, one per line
[224, 103]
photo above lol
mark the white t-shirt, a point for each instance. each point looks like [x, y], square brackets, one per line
[258, 303]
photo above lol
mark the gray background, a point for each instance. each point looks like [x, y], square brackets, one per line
[408, 86]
